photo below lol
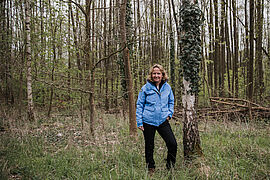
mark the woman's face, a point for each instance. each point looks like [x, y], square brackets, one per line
[157, 75]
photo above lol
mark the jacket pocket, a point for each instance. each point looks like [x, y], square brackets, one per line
[149, 108]
[151, 97]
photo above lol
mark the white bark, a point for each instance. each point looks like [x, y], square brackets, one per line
[191, 138]
[31, 115]
[188, 100]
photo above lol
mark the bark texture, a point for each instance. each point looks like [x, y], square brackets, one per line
[132, 110]
[31, 114]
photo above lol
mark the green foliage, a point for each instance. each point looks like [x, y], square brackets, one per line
[59, 149]
[120, 62]
[129, 21]
[190, 23]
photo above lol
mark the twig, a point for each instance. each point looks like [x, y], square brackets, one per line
[63, 87]
[102, 59]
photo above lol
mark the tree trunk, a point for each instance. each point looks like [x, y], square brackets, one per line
[132, 111]
[139, 46]
[106, 77]
[222, 51]
[211, 48]
[246, 45]
[31, 114]
[235, 59]
[53, 41]
[259, 84]
[217, 50]
[190, 47]
[172, 50]
[90, 61]
[191, 137]
[78, 57]
[251, 53]
[228, 48]
[92, 103]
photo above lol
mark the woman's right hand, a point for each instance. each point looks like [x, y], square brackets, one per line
[141, 128]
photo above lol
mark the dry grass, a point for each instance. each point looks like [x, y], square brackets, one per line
[59, 148]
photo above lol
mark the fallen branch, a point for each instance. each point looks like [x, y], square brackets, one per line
[227, 103]
[234, 99]
[212, 99]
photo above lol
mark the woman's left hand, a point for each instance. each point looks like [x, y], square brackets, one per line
[168, 118]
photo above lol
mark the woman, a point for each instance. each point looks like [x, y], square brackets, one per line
[155, 107]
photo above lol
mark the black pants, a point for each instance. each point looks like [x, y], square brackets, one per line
[166, 133]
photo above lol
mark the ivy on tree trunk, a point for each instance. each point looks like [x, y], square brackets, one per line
[190, 43]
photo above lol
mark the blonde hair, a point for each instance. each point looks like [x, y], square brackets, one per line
[164, 74]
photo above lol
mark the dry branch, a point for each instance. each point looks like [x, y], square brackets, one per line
[229, 107]
[248, 104]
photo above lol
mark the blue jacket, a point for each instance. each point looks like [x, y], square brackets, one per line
[153, 105]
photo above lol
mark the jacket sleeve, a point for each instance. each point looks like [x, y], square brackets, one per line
[171, 103]
[140, 107]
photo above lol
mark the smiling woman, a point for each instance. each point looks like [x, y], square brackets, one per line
[157, 76]
[155, 107]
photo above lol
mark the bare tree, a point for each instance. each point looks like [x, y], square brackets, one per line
[259, 84]
[132, 111]
[217, 49]
[251, 52]
[235, 59]
[31, 114]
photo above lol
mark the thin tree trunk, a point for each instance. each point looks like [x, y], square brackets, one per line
[92, 76]
[259, 84]
[106, 61]
[235, 60]
[140, 66]
[228, 49]
[211, 48]
[30, 112]
[172, 50]
[217, 49]
[246, 45]
[69, 56]
[132, 111]
[222, 50]
[78, 58]
[152, 21]
[90, 61]
[251, 53]
[53, 41]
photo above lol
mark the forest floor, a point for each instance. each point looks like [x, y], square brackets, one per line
[58, 148]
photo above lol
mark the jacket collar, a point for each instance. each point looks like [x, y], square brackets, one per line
[153, 85]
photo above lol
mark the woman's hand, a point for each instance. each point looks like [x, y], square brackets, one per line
[141, 128]
[168, 118]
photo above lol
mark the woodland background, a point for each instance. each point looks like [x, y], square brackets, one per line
[64, 49]
[65, 91]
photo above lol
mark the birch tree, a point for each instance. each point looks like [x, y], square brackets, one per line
[31, 114]
[190, 22]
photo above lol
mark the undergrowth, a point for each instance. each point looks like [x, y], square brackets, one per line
[58, 148]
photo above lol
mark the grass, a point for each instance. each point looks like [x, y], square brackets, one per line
[57, 148]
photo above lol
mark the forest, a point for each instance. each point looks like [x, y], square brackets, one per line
[71, 71]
